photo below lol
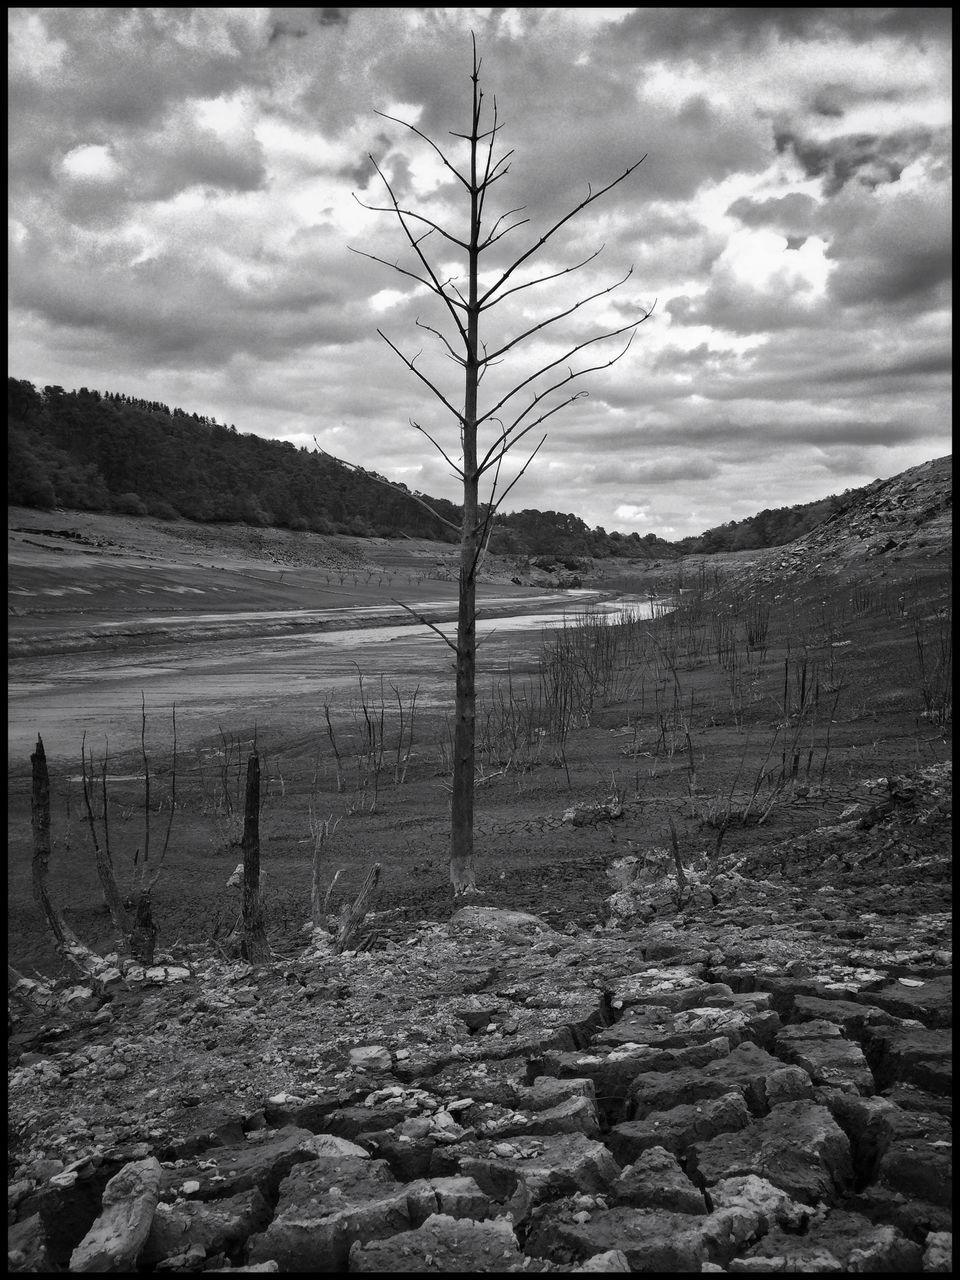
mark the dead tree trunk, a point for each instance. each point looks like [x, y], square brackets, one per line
[353, 919]
[507, 420]
[67, 942]
[255, 947]
[143, 936]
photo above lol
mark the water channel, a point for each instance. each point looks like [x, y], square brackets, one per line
[276, 683]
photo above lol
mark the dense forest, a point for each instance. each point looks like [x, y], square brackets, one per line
[106, 451]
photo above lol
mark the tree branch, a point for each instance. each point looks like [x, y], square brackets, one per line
[427, 623]
[411, 365]
[591, 198]
[352, 466]
[560, 315]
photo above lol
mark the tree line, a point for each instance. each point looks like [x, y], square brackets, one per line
[89, 450]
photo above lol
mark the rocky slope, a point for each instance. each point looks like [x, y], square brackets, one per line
[747, 1072]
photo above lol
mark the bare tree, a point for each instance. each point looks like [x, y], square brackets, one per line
[512, 415]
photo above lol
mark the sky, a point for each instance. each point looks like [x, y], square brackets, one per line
[195, 218]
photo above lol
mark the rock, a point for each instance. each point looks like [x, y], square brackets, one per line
[655, 1180]
[229, 1170]
[931, 1002]
[531, 1169]
[453, 1197]
[746, 1069]
[679, 1127]
[854, 1243]
[115, 1240]
[213, 1227]
[511, 926]
[938, 1251]
[819, 1049]
[326, 1206]
[372, 1057]
[798, 1147]
[27, 1247]
[442, 1243]
[912, 1055]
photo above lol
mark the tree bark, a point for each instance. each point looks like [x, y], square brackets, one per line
[67, 942]
[354, 917]
[255, 947]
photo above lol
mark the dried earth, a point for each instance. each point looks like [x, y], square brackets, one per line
[590, 1066]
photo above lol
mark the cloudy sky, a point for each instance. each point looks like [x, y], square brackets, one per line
[185, 187]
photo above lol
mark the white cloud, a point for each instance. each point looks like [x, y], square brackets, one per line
[181, 201]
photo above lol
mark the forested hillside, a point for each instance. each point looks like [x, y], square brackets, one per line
[106, 451]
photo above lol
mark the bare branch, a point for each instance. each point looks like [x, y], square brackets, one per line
[554, 275]
[427, 623]
[410, 213]
[457, 471]
[559, 316]
[591, 198]
[494, 505]
[430, 143]
[411, 365]
[580, 346]
[412, 275]
[415, 245]
[430, 329]
[352, 466]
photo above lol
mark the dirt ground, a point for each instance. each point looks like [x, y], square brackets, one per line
[773, 700]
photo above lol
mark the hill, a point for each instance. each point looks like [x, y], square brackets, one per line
[108, 452]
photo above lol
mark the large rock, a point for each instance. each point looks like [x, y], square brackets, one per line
[517, 927]
[656, 1181]
[522, 1172]
[260, 1163]
[442, 1243]
[213, 1226]
[929, 1000]
[819, 1049]
[798, 1147]
[849, 1239]
[325, 1207]
[678, 1128]
[116, 1239]
[912, 1055]
[747, 1069]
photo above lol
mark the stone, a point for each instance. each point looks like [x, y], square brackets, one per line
[798, 1147]
[930, 1003]
[213, 1226]
[512, 926]
[818, 1048]
[938, 1251]
[575, 1115]
[913, 1055]
[371, 1057]
[27, 1247]
[117, 1237]
[226, 1171]
[442, 1243]
[532, 1169]
[851, 1240]
[746, 1068]
[324, 1207]
[454, 1197]
[679, 1127]
[655, 1180]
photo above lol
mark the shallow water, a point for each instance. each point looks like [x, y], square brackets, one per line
[277, 683]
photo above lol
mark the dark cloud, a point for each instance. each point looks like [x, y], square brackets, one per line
[708, 34]
[871, 159]
[895, 252]
[793, 212]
